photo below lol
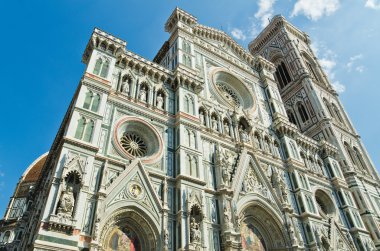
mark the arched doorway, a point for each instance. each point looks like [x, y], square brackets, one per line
[261, 229]
[251, 238]
[129, 230]
[123, 239]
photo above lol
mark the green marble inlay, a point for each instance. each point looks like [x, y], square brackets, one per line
[57, 240]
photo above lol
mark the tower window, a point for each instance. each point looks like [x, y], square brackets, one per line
[282, 75]
[291, 117]
[101, 67]
[91, 101]
[189, 104]
[84, 129]
[302, 112]
[311, 70]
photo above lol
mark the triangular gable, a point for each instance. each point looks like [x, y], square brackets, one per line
[224, 42]
[250, 178]
[133, 186]
[341, 241]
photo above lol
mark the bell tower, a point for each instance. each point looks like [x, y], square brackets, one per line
[314, 107]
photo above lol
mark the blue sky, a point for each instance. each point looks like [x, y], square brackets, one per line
[43, 41]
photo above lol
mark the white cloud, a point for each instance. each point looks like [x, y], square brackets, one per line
[373, 4]
[338, 87]
[238, 34]
[263, 14]
[265, 11]
[327, 60]
[2, 174]
[315, 9]
[360, 68]
[352, 63]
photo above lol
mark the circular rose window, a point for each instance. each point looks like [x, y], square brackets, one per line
[136, 138]
[230, 90]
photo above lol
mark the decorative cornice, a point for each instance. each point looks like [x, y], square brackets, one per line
[278, 22]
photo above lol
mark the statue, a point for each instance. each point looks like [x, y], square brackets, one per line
[66, 203]
[96, 229]
[251, 181]
[289, 224]
[142, 95]
[202, 117]
[160, 101]
[226, 165]
[243, 134]
[166, 237]
[125, 88]
[195, 234]
[226, 129]
[214, 124]
[226, 215]
[284, 192]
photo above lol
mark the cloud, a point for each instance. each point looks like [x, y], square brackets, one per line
[352, 63]
[2, 174]
[263, 14]
[265, 11]
[360, 68]
[338, 87]
[373, 4]
[238, 34]
[328, 62]
[315, 9]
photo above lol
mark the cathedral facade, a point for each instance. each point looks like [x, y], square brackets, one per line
[207, 147]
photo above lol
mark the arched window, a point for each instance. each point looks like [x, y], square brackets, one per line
[311, 70]
[349, 219]
[302, 112]
[6, 237]
[188, 164]
[300, 202]
[336, 169]
[80, 128]
[291, 117]
[84, 129]
[328, 107]
[348, 150]
[282, 75]
[98, 66]
[105, 68]
[194, 167]
[337, 113]
[341, 198]
[189, 104]
[95, 103]
[294, 151]
[359, 158]
[294, 180]
[91, 101]
[193, 140]
[88, 131]
[188, 137]
[101, 68]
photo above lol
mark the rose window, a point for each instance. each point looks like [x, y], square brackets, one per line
[230, 90]
[133, 144]
[136, 138]
[229, 94]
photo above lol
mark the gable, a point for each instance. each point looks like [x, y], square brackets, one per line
[133, 188]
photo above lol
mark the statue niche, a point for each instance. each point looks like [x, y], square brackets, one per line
[69, 195]
[195, 224]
